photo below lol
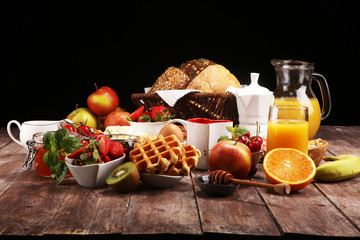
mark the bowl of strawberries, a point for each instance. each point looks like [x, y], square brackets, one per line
[94, 161]
[150, 122]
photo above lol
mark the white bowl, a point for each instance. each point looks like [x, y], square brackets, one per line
[159, 180]
[94, 175]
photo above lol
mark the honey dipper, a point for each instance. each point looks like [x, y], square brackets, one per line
[224, 177]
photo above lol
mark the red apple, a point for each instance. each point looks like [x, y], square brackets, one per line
[235, 158]
[116, 118]
[103, 101]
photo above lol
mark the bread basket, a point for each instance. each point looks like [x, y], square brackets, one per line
[220, 106]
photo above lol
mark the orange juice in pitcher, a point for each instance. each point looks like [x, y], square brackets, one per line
[294, 80]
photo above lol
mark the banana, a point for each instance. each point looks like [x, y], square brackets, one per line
[340, 157]
[344, 167]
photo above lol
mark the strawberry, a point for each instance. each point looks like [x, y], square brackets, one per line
[135, 115]
[145, 117]
[116, 150]
[77, 153]
[104, 145]
[106, 159]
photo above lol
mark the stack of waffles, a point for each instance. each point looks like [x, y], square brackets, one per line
[165, 155]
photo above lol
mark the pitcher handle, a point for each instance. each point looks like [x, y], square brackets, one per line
[325, 95]
[10, 133]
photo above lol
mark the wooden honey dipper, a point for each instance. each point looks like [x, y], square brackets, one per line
[224, 177]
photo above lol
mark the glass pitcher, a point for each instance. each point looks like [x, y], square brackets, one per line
[294, 81]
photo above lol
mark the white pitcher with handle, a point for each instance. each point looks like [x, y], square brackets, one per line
[29, 128]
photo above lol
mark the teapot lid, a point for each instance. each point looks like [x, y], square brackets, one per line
[254, 88]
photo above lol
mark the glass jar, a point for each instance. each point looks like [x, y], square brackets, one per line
[36, 153]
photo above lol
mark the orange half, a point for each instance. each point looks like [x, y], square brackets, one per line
[288, 165]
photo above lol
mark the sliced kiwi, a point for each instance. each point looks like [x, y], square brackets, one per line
[124, 178]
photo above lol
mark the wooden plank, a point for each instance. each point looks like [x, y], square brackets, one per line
[343, 194]
[163, 211]
[29, 204]
[76, 212]
[242, 213]
[307, 212]
[4, 137]
[12, 157]
[110, 212]
[341, 139]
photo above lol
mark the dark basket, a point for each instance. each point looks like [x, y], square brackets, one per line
[220, 106]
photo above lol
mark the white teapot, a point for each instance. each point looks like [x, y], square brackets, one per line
[253, 104]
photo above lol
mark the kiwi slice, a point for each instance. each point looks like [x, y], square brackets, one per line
[124, 178]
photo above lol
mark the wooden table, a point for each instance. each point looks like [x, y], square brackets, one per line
[33, 205]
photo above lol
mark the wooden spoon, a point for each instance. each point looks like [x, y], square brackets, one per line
[224, 177]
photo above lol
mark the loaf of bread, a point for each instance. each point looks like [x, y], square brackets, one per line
[192, 68]
[172, 78]
[198, 74]
[214, 78]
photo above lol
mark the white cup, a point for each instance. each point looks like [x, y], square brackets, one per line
[203, 133]
[29, 128]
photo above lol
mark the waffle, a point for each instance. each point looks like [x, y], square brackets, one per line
[165, 155]
[155, 156]
[188, 161]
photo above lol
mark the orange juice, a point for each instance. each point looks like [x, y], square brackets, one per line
[314, 111]
[288, 133]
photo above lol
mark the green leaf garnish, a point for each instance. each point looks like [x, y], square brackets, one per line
[58, 143]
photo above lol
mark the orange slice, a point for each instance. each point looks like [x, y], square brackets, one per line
[288, 165]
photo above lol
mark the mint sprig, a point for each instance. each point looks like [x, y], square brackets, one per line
[236, 131]
[59, 143]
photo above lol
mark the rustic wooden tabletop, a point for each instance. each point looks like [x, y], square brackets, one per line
[31, 205]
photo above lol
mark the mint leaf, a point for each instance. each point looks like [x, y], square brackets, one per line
[239, 131]
[51, 159]
[223, 137]
[49, 141]
[59, 135]
[70, 144]
[61, 171]
[230, 129]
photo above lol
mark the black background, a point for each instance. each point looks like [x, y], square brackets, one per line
[53, 51]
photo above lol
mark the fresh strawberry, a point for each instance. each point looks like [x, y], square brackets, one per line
[77, 153]
[160, 114]
[116, 150]
[104, 145]
[136, 114]
[145, 117]
[106, 159]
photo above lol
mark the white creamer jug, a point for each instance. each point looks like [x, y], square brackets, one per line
[253, 103]
[29, 128]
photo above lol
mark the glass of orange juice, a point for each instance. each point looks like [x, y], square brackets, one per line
[288, 127]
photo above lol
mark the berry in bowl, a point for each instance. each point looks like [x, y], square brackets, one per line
[149, 122]
[94, 161]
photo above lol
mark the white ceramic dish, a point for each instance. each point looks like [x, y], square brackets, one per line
[92, 176]
[159, 180]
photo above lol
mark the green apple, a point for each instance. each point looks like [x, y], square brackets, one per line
[84, 116]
